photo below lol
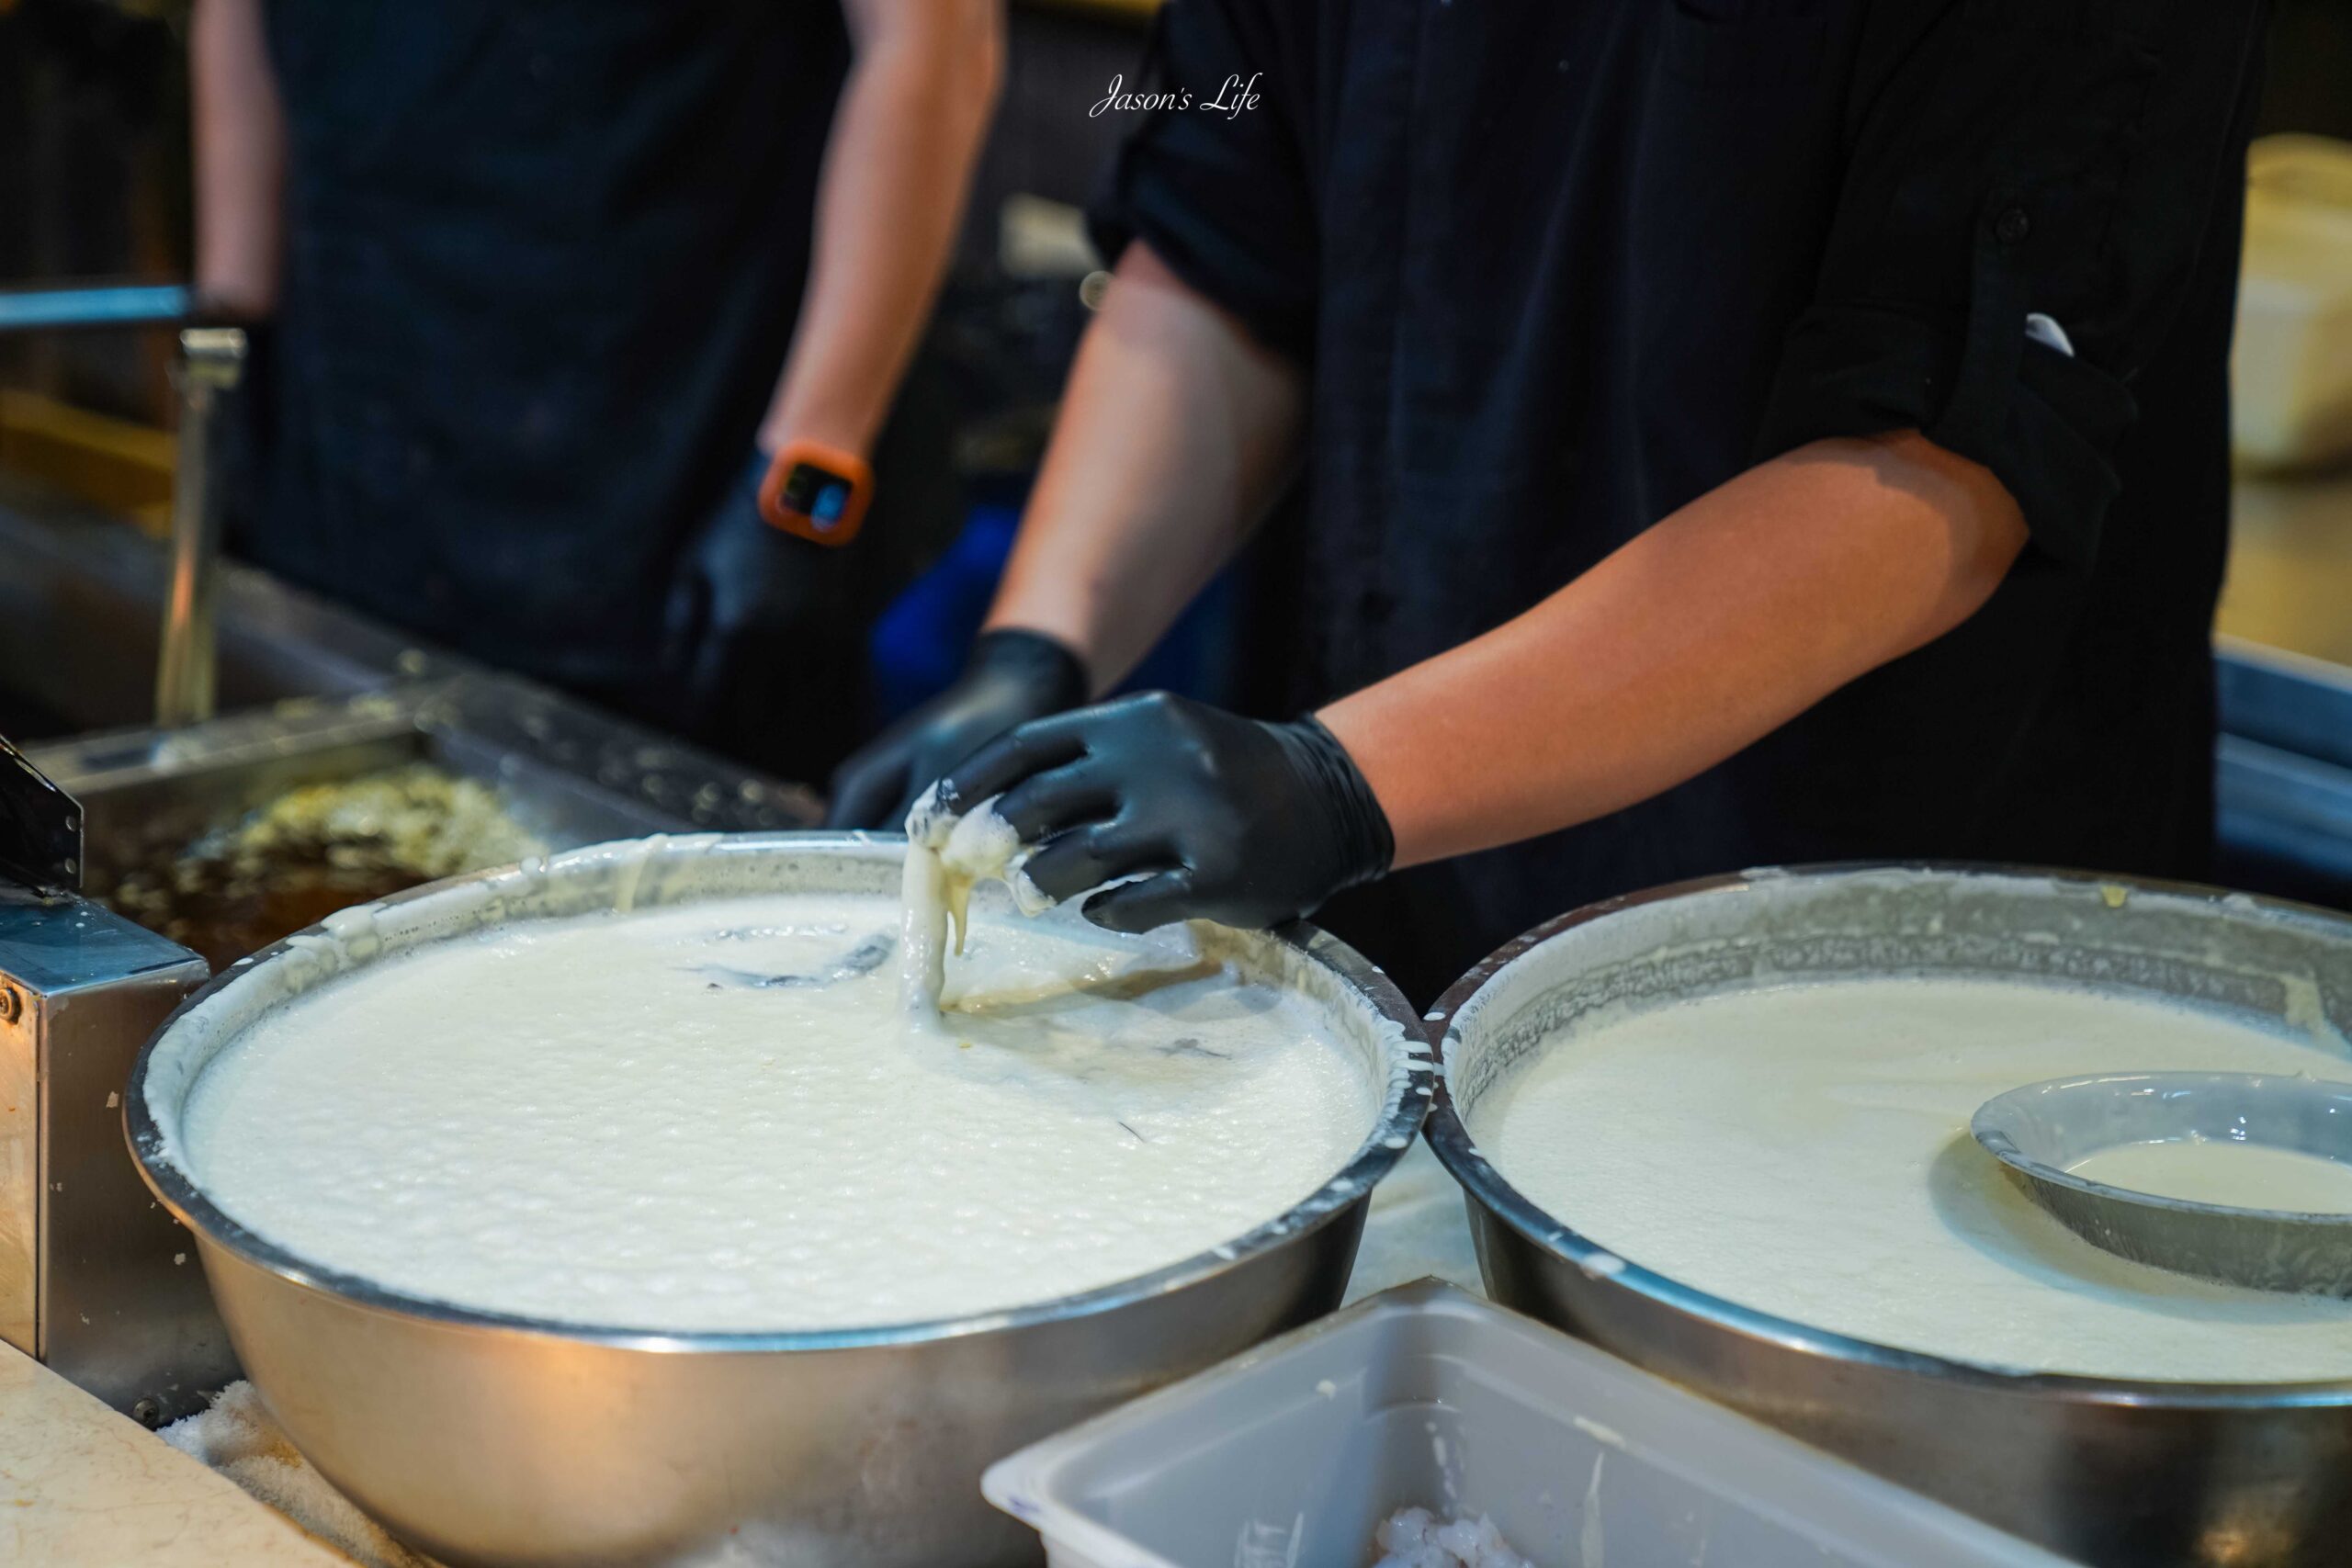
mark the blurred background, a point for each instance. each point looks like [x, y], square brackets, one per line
[295, 691]
[95, 186]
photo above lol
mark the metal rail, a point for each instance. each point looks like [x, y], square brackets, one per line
[86, 307]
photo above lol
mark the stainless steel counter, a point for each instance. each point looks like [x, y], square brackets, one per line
[568, 774]
[82, 605]
[93, 1278]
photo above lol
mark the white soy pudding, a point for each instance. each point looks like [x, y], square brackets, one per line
[2240, 1175]
[1805, 1152]
[715, 1116]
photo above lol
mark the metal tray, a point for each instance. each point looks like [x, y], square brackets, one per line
[570, 775]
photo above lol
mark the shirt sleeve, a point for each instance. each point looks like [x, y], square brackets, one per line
[1224, 198]
[2028, 185]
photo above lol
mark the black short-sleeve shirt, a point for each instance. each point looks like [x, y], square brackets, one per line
[1556, 267]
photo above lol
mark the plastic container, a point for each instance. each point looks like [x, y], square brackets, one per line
[1290, 1456]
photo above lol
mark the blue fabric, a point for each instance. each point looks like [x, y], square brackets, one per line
[918, 643]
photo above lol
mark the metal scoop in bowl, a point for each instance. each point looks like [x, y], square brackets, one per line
[2056, 1137]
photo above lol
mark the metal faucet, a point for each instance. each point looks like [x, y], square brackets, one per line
[210, 365]
[206, 374]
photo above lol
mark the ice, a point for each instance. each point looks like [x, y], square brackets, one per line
[1413, 1538]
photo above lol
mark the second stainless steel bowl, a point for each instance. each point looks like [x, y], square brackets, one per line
[2118, 1472]
[484, 1438]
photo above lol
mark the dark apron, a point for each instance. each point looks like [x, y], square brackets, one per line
[543, 261]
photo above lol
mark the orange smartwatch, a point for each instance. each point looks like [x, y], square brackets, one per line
[817, 492]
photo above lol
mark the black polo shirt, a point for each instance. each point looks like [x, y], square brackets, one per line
[1556, 267]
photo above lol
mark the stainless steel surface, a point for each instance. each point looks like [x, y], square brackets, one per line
[94, 1278]
[488, 1440]
[570, 775]
[20, 1183]
[81, 606]
[2112, 1471]
[211, 363]
[89, 306]
[123, 1317]
[2040, 1130]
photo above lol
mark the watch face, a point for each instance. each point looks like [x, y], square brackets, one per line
[816, 493]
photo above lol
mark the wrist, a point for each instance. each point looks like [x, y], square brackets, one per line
[237, 302]
[1364, 846]
[841, 428]
[1054, 671]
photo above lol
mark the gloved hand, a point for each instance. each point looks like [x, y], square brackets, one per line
[1231, 819]
[1009, 678]
[742, 586]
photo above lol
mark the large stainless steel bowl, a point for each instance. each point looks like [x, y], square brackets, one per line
[2107, 1470]
[488, 1440]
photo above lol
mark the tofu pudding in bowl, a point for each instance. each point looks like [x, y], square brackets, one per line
[636, 1156]
[1724, 1130]
[1815, 1122]
[717, 1116]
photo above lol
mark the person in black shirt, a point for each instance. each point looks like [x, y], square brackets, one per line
[1725, 432]
[547, 285]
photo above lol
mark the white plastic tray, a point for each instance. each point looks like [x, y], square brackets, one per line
[1290, 1456]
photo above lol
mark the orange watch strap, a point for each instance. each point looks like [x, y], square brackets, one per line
[814, 508]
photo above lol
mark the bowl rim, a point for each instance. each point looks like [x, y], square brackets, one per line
[1603, 1267]
[1412, 1074]
[1991, 1127]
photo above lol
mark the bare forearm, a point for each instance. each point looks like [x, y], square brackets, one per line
[913, 114]
[239, 129]
[1713, 628]
[1176, 431]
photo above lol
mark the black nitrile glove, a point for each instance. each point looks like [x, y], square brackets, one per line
[1226, 819]
[740, 581]
[1009, 678]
